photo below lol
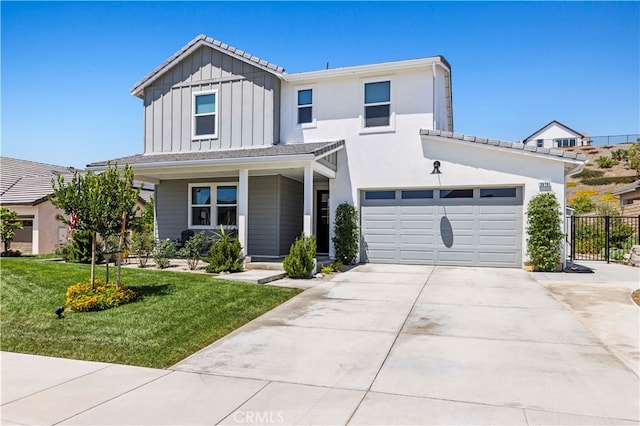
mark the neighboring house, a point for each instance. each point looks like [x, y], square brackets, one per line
[233, 140]
[629, 199]
[557, 135]
[25, 187]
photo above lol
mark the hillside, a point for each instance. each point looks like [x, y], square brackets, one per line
[598, 183]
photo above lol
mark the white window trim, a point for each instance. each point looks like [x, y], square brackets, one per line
[213, 187]
[193, 115]
[313, 124]
[391, 128]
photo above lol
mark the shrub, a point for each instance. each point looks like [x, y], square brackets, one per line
[192, 249]
[345, 231]
[545, 234]
[589, 238]
[582, 204]
[299, 262]
[609, 180]
[225, 254]
[620, 155]
[606, 209]
[619, 233]
[606, 162]
[587, 192]
[164, 251]
[142, 246]
[80, 248]
[608, 198]
[81, 298]
[571, 184]
[589, 174]
[334, 267]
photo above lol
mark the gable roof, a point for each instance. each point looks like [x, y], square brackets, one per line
[203, 40]
[559, 124]
[632, 187]
[25, 182]
[516, 147]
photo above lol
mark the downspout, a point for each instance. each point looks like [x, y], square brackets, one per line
[433, 107]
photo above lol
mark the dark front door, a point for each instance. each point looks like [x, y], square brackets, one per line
[322, 221]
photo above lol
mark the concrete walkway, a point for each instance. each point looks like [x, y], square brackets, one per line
[381, 344]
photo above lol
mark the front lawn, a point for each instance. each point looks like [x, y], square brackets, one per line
[176, 315]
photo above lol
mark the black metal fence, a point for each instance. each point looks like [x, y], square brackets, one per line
[605, 238]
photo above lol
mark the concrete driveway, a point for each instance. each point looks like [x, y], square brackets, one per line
[389, 344]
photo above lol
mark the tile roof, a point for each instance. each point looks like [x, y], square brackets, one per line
[314, 148]
[552, 152]
[627, 188]
[27, 182]
[203, 40]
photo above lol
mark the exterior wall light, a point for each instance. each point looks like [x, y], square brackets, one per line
[436, 168]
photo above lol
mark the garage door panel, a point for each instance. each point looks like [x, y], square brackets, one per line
[448, 232]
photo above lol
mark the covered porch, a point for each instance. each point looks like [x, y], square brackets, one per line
[268, 196]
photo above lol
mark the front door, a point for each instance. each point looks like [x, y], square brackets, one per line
[322, 221]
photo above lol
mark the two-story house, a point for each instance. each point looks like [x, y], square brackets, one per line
[233, 140]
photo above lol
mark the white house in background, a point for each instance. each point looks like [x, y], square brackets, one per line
[557, 135]
[233, 140]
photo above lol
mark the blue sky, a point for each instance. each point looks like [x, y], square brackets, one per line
[67, 67]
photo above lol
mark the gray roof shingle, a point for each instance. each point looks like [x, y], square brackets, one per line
[25, 182]
[503, 144]
[313, 148]
[627, 188]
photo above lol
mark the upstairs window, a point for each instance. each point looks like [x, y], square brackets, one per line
[305, 106]
[377, 104]
[204, 115]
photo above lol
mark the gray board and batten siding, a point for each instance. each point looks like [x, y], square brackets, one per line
[275, 211]
[472, 231]
[247, 104]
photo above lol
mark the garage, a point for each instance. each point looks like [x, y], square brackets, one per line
[443, 226]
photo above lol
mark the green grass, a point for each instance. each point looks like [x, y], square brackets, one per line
[176, 315]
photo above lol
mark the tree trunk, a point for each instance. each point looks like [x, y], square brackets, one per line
[106, 254]
[121, 241]
[93, 260]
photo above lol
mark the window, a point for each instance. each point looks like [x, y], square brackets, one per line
[380, 195]
[565, 142]
[305, 106]
[497, 193]
[540, 143]
[456, 193]
[208, 212]
[377, 104]
[204, 115]
[417, 194]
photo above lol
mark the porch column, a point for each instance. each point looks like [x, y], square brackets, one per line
[308, 200]
[243, 208]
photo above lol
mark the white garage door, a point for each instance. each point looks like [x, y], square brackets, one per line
[468, 226]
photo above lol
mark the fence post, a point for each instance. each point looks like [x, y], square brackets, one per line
[573, 238]
[606, 238]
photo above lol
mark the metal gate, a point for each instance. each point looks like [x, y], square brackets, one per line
[604, 238]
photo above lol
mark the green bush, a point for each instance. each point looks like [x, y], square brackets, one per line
[225, 254]
[609, 180]
[619, 233]
[620, 155]
[582, 204]
[334, 267]
[589, 174]
[192, 249]
[299, 262]
[164, 251]
[142, 246]
[545, 234]
[606, 162]
[345, 231]
[589, 238]
[79, 250]
[80, 297]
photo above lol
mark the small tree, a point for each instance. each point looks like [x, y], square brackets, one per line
[545, 233]
[163, 252]
[299, 262]
[9, 223]
[192, 249]
[142, 246]
[582, 204]
[345, 231]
